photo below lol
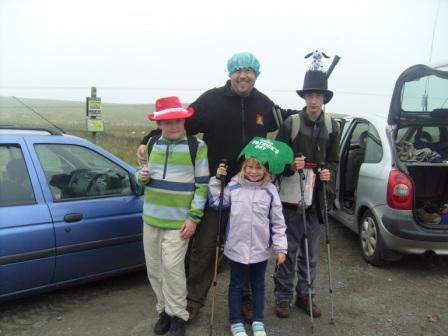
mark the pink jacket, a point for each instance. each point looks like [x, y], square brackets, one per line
[256, 220]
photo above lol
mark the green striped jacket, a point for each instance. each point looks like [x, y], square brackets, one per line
[176, 190]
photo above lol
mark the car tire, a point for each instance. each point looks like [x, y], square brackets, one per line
[370, 240]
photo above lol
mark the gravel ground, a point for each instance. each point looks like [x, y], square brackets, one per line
[405, 298]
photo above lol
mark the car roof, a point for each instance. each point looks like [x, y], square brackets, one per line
[375, 116]
[24, 130]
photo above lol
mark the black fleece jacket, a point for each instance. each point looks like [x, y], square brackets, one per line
[229, 121]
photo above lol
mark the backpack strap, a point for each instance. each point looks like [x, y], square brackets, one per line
[328, 124]
[151, 142]
[193, 144]
[295, 126]
[277, 113]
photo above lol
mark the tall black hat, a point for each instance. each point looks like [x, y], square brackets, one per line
[316, 81]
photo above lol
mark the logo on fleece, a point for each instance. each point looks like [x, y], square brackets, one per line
[260, 119]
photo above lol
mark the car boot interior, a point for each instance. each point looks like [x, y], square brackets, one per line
[424, 152]
[431, 193]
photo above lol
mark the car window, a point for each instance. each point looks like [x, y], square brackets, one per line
[15, 183]
[78, 172]
[374, 148]
[354, 138]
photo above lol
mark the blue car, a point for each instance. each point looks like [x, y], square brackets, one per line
[70, 212]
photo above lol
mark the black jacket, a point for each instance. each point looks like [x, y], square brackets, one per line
[229, 122]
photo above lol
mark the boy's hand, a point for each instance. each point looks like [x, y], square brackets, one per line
[298, 163]
[144, 174]
[280, 257]
[188, 229]
[221, 171]
[325, 175]
[141, 154]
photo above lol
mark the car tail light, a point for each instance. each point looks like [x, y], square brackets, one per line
[400, 193]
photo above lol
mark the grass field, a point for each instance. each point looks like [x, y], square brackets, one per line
[125, 125]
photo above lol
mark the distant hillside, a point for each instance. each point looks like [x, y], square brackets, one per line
[71, 115]
[125, 124]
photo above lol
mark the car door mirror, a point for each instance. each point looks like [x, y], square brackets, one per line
[137, 188]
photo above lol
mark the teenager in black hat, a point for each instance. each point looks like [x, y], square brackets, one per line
[316, 136]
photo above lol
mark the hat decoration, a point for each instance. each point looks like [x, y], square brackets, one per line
[316, 79]
[316, 64]
[169, 108]
[271, 153]
[243, 60]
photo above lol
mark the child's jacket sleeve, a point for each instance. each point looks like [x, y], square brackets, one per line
[201, 177]
[279, 241]
[214, 190]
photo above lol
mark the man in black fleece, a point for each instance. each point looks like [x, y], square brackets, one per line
[229, 117]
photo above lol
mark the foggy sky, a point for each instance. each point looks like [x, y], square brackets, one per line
[136, 51]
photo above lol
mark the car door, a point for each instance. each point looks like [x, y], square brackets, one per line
[96, 212]
[27, 241]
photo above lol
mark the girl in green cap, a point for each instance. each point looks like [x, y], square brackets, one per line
[255, 224]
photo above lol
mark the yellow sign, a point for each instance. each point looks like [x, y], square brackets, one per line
[95, 125]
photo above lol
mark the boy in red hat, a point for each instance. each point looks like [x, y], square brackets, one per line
[175, 196]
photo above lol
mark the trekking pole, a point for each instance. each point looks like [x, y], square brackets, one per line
[305, 233]
[218, 243]
[327, 241]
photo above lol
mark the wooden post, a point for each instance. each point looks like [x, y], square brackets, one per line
[93, 112]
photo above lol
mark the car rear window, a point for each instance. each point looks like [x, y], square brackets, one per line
[15, 183]
[426, 94]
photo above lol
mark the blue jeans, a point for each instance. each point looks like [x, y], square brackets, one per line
[237, 276]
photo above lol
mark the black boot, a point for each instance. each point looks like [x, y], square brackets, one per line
[177, 326]
[163, 324]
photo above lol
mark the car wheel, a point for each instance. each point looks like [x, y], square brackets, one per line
[370, 240]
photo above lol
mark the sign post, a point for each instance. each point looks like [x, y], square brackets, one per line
[94, 121]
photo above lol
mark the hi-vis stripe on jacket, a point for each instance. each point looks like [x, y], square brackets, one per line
[176, 190]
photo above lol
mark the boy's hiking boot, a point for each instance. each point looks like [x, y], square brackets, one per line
[177, 327]
[237, 329]
[193, 312]
[303, 303]
[163, 324]
[283, 309]
[258, 329]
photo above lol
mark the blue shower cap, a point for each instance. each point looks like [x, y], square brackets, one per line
[243, 60]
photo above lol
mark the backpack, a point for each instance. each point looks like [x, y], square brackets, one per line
[295, 125]
[192, 145]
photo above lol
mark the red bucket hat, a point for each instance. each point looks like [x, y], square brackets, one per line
[169, 108]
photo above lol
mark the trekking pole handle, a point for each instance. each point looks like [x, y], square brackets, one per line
[224, 162]
[321, 166]
[300, 171]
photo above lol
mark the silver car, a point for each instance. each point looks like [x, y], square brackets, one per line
[392, 185]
